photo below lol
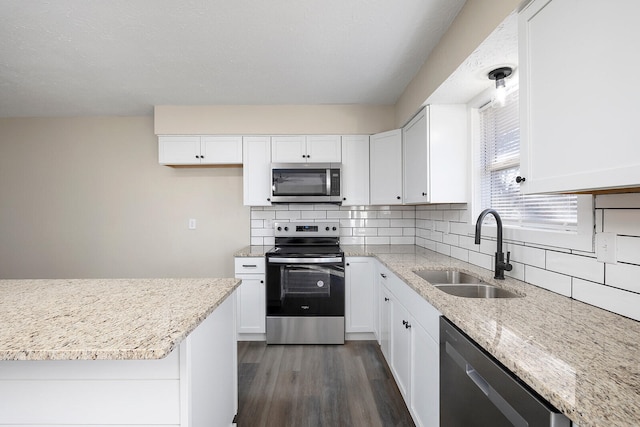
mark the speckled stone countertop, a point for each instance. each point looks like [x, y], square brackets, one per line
[582, 359]
[113, 319]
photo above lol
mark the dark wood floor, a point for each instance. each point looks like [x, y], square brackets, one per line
[313, 385]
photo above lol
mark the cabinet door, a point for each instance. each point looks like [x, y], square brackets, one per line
[360, 298]
[425, 378]
[416, 159]
[401, 347]
[324, 149]
[256, 171]
[251, 299]
[221, 150]
[355, 170]
[179, 150]
[288, 149]
[385, 323]
[386, 168]
[578, 130]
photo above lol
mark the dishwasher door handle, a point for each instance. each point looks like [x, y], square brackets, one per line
[496, 398]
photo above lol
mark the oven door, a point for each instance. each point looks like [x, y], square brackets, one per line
[305, 286]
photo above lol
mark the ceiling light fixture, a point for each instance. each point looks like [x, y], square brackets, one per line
[499, 74]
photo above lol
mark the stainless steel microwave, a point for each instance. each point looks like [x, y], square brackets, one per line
[306, 183]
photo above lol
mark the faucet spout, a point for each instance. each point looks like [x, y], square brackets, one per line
[500, 265]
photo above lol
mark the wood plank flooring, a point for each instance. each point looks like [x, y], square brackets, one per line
[317, 385]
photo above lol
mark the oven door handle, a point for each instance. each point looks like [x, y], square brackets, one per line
[305, 260]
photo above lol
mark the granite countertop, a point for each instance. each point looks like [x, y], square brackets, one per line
[582, 359]
[113, 319]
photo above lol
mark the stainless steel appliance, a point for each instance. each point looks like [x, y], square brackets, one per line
[305, 285]
[476, 390]
[305, 183]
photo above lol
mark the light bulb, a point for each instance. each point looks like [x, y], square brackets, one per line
[501, 92]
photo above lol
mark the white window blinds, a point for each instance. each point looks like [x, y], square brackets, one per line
[499, 167]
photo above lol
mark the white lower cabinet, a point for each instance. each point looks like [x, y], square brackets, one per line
[251, 297]
[359, 295]
[401, 347]
[409, 339]
[425, 385]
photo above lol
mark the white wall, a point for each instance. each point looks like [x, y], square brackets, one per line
[86, 197]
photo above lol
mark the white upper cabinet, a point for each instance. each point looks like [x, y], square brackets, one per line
[355, 170]
[579, 95]
[386, 168]
[199, 150]
[306, 149]
[256, 170]
[435, 155]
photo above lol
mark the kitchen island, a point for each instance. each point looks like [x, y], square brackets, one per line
[118, 352]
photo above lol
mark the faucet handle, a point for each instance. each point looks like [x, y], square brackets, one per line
[508, 266]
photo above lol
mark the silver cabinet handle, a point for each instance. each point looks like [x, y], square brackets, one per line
[249, 265]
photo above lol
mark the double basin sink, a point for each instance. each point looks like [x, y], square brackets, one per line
[463, 285]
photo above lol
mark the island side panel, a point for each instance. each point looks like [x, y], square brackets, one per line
[209, 370]
[90, 392]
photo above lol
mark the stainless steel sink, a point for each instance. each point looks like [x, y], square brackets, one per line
[463, 285]
[476, 290]
[446, 276]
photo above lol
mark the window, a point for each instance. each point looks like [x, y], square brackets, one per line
[499, 157]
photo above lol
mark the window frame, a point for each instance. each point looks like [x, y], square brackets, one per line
[581, 239]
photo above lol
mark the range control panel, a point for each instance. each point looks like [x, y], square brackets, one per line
[306, 229]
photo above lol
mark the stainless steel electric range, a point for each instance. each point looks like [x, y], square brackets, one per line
[305, 284]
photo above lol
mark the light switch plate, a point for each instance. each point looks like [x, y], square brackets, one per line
[192, 224]
[606, 247]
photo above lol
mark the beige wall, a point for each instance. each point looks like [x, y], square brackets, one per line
[474, 23]
[86, 197]
[273, 119]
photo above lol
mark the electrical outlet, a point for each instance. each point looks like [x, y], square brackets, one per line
[192, 223]
[606, 248]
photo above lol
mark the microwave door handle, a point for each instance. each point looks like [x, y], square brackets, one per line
[328, 176]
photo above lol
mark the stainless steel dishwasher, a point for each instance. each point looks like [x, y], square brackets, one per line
[476, 390]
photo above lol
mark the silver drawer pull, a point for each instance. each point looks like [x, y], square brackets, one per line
[249, 265]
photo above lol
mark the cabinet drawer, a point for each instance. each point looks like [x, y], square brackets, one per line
[249, 265]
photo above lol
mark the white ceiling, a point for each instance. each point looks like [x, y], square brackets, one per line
[121, 57]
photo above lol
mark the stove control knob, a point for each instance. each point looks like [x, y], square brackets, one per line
[279, 228]
[327, 228]
[286, 229]
[334, 228]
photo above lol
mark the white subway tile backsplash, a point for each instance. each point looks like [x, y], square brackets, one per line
[390, 232]
[402, 240]
[402, 223]
[443, 249]
[449, 229]
[313, 215]
[481, 260]
[338, 214]
[459, 253]
[612, 299]
[622, 221]
[628, 249]
[546, 279]
[526, 255]
[352, 240]
[365, 231]
[263, 214]
[576, 266]
[290, 215]
[377, 240]
[618, 201]
[451, 239]
[623, 276]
